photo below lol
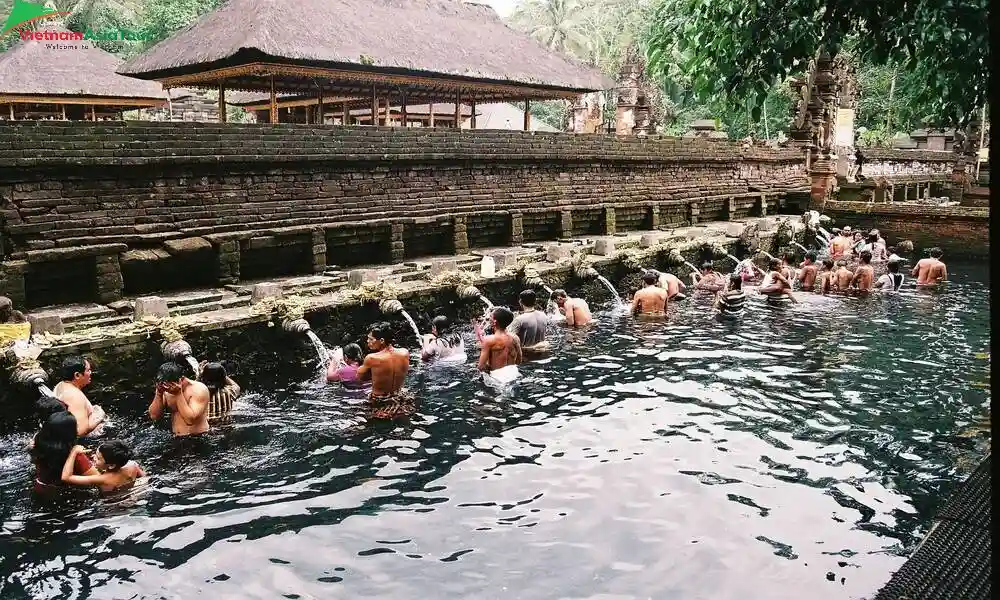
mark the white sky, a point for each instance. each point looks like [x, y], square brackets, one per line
[503, 7]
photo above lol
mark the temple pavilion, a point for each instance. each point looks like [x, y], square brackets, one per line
[306, 109]
[373, 55]
[69, 80]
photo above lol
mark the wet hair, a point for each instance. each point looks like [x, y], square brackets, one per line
[828, 263]
[811, 256]
[381, 331]
[789, 257]
[116, 453]
[503, 316]
[872, 238]
[774, 264]
[893, 266]
[46, 406]
[559, 293]
[650, 277]
[70, 366]
[169, 372]
[866, 257]
[213, 376]
[891, 250]
[444, 332]
[527, 298]
[735, 282]
[352, 352]
[53, 444]
[841, 263]
[706, 266]
[936, 252]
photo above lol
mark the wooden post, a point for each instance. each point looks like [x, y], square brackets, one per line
[385, 119]
[430, 108]
[12, 112]
[222, 103]
[63, 108]
[402, 113]
[320, 117]
[374, 113]
[458, 110]
[472, 123]
[93, 113]
[346, 119]
[527, 115]
[274, 103]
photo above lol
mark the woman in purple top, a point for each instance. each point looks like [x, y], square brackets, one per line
[346, 371]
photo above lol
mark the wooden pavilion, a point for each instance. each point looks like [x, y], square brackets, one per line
[375, 53]
[306, 109]
[69, 80]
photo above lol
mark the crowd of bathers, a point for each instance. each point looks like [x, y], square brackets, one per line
[854, 263]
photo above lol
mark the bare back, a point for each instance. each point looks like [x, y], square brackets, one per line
[577, 307]
[808, 276]
[864, 277]
[388, 369]
[500, 350]
[843, 278]
[650, 300]
[930, 271]
[840, 246]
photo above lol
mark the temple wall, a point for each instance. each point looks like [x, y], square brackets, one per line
[129, 203]
[924, 165]
[958, 230]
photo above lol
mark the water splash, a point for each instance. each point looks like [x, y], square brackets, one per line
[321, 351]
[413, 324]
[45, 390]
[767, 254]
[195, 367]
[827, 236]
[614, 292]
[693, 268]
[486, 301]
[804, 249]
[547, 289]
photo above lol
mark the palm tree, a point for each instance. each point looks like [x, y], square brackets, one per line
[559, 24]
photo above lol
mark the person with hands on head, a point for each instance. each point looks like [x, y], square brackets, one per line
[187, 400]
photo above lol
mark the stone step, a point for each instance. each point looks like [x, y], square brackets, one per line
[100, 322]
[74, 313]
[191, 298]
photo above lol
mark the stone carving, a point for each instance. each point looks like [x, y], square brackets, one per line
[639, 101]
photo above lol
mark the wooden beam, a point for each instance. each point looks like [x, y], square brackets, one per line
[346, 119]
[320, 117]
[93, 113]
[222, 102]
[430, 108]
[62, 108]
[527, 114]
[274, 103]
[403, 108]
[12, 112]
[108, 101]
[473, 121]
[458, 110]
[374, 113]
[384, 120]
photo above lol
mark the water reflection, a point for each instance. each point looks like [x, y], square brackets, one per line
[685, 458]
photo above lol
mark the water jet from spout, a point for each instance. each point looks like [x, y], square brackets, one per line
[804, 249]
[693, 268]
[317, 343]
[611, 288]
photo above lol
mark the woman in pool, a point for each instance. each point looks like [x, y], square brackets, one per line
[443, 342]
[222, 390]
[116, 469]
[345, 368]
[730, 301]
[51, 450]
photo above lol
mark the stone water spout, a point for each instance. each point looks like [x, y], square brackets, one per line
[24, 369]
[392, 306]
[531, 278]
[177, 350]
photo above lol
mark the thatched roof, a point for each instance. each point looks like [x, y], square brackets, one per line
[32, 68]
[432, 38]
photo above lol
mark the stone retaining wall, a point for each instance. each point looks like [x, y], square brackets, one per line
[247, 201]
[959, 230]
[911, 165]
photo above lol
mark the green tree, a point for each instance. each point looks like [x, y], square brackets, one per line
[738, 50]
[562, 25]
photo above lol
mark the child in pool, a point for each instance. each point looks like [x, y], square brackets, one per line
[345, 369]
[116, 469]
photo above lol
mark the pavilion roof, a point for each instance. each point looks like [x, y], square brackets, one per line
[77, 69]
[461, 43]
[258, 101]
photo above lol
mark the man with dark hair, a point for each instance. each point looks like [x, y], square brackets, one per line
[827, 277]
[74, 375]
[501, 352]
[529, 326]
[892, 280]
[708, 279]
[864, 275]
[650, 299]
[386, 367]
[931, 271]
[187, 400]
[807, 274]
[575, 310]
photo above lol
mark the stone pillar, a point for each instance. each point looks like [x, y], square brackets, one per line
[397, 250]
[906, 192]
[319, 250]
[694, 210]
[654, 216]
[566, 224]
[627, 91]
[12, 281]
[461, 234]
[228, 253]
[610, 225]
[959, 179]
[109, 279]
[762, 209]
[579, 114]
[516, 229]
[730, 208]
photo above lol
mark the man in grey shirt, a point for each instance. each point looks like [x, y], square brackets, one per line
[529, 326]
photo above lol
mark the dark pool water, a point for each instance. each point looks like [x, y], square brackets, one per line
[794, 454]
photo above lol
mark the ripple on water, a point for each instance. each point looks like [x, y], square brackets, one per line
[795, 449]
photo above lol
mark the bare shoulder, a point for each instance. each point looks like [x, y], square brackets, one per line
[402, 352]
[200, 388]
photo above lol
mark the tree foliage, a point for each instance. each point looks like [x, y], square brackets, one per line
[741, 49]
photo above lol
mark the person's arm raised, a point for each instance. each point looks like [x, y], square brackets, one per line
[156, 406]
[69, 467]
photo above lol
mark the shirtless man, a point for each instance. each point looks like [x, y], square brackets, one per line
[186, 399]
[651, 299]
[75, 375]
[500, 349]
[827, 280]
[808, 272]
[864, 275]
[842, 276]
[931, 271]
[841, 245]
[708, 279]
[575, 310]
[775, 285]
[674, 286]
[386, 367]
[787, 260]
